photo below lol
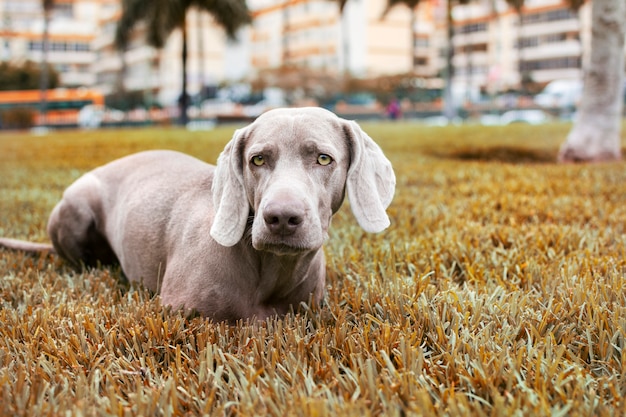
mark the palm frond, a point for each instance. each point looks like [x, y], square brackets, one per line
[161, 17]
[411, 4]
[47, 5]
[132, 13]
[229, 14]
[341, 3]
[575, 5]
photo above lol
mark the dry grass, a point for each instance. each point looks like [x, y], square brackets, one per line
[498, 290]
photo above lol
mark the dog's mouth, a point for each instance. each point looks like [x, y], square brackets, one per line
[282, 248]
[285, 241]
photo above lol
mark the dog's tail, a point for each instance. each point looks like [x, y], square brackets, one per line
[25, 246]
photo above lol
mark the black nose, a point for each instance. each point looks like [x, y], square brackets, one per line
[283, 218]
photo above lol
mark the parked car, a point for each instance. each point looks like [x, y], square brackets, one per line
[530, 116]
[560, 94]
[92, 116]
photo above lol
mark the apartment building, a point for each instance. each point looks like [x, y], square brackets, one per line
[313, 34]
[81, 34]
[495, 49]
[72, 29]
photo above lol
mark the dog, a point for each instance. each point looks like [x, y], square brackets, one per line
[239, 240]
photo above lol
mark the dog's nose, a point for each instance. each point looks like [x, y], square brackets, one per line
[283, 219]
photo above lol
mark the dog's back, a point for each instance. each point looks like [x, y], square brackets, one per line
[121, 211]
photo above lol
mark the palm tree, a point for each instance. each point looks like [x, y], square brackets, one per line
[450, 110]
[162, 17]
[596, 133]
[203, 87]
[47, 6]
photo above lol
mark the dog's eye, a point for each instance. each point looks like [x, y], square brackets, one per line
[324, 159]
[258, 160]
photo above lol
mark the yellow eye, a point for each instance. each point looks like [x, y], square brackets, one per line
[324, 159]
[258, 160]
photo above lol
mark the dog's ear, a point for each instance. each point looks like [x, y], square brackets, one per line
[229, 196]
[371, 181]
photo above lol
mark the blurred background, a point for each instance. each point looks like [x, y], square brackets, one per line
[92, 63]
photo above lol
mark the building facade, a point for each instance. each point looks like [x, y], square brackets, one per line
[315, 35]
[494, 49]
[72, 29]
[81, 49]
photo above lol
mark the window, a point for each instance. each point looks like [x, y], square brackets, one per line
[421, 42]
[420, 61]
[63, 10]
[549, 16]
[62, 67]
[534, 41]
[472, 28]
[528, 42]
[81, 47]
[58, 46]
[35, 46]
[552, 63]
[468, 49]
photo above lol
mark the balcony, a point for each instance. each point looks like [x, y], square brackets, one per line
[553, 50]
[547, 28]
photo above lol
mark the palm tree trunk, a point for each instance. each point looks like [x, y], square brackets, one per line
[184, 97]
[120, 84]
[203, 87]
[596, 133]
[413, 44]
[449, 109]
[469, 68]
[344, 27]
[520, 51]
[285, 36]
[44, 76]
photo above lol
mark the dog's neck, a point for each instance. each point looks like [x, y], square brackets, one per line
[285, 277]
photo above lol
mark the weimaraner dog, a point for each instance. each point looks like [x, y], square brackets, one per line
[239, 240]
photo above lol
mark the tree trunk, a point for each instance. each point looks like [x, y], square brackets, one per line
[344, 27]
[44, 77]
[201, 74]
[596, 133]
[285, 35]
[413, 44]
[469, 55]
[184, 97]
[449, 107]
[523, 74]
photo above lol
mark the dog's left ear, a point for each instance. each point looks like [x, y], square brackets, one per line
[229, 196]
[371, 181]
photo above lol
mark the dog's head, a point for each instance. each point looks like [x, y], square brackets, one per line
[290, 169]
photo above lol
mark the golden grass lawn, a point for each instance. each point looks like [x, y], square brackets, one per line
[498, 290]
